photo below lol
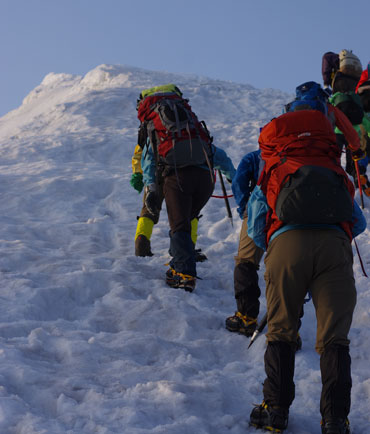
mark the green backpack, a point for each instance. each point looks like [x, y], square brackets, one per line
[350, 104]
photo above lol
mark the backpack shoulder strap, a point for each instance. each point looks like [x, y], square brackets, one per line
[142, 135]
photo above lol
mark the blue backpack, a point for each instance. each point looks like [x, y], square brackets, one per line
[309, 96]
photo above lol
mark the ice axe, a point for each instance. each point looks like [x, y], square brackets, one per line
[229, 214]
[359, 184]
[259, 329]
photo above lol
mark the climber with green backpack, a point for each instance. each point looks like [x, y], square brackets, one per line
[146, 220]
[351, 105]
[180, 159]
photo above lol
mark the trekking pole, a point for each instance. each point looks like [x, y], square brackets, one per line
[226, 198]
[259, 329]
[359, 257]
[359, 183]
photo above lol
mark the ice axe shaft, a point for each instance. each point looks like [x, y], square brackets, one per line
[229, 214]
[259, 329]
[359, 184]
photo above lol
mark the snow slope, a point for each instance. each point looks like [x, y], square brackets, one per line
[91, 339]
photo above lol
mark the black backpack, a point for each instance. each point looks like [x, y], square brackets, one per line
[343, 82]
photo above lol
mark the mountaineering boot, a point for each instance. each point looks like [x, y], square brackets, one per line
[335, 425]
[274, 419]
[241, 324]
[200, 256]
[180, 280]
[144, 230]
[142, 246]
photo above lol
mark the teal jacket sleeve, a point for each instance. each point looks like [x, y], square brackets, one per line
[257, 213]
[222, 162]
[148, 166]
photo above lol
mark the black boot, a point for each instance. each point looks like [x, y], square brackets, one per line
[335, 426]
[242, 324]
[179, 280]
[274, 419]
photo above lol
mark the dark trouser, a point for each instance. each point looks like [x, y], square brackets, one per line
[319, 261]
[247, 291]
[186, 192]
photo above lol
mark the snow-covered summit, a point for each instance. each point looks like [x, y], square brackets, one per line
[91, 339]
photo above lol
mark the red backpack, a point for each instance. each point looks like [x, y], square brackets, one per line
[177, 137]
[302, 179]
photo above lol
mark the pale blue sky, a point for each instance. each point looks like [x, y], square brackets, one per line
[265, 43]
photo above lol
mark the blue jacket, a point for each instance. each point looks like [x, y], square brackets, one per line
[245, 179]
[257, 211]
[220, 162]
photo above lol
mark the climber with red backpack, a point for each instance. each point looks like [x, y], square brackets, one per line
[363, 91]
[340, 110]
[146, 220]
[303, 210]
[247, 261]
[180, 160]
[311, 95]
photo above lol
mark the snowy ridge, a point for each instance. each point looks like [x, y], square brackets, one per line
[91, 339]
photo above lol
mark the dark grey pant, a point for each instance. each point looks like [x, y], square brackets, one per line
[186, 191]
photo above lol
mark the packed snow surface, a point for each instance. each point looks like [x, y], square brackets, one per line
[91, 338]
